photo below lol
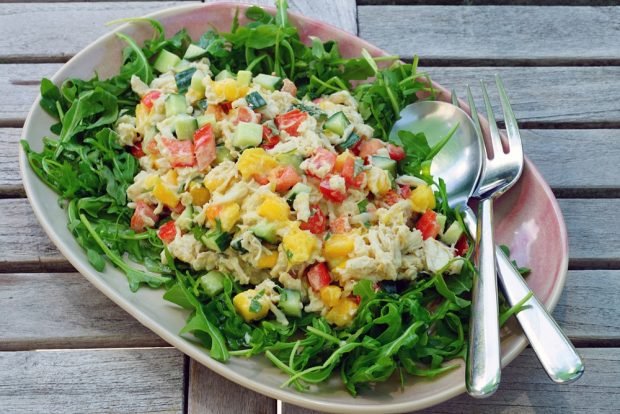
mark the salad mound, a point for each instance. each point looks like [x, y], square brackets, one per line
[248, 176]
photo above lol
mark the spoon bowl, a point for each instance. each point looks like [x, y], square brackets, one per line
[459, 163]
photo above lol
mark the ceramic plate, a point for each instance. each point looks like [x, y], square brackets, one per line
[528, 220]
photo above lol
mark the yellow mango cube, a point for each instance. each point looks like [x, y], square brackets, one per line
[150, 181]
[171, 177]
[274, 208]
[251, 305]
[422, 199]
[164, 195]
[229, 215]
[212, 183]
[200, 195]
[330, 295]
[343, 313]
[298, 245]
[255, 161]
[267, 261]
[338, 246]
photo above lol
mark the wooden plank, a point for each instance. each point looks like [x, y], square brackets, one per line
[594, 173]
[593, 237]
[69, 313]
[210, 393]
[508, 33]
[579, 96]
[69, 27]
[92, 381]
[526, 389]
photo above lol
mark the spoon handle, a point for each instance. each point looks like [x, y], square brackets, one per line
[483, 368]
[554, 350]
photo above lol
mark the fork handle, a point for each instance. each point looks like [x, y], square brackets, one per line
[483, 370]
[554, 350]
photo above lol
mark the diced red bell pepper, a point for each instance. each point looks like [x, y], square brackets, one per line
[405, 190]
[285, 178]
[321, 163]
[462, 246]
[225, 107]
[427, 224]
[180, 153]
[317, 223]
[270, 138]
[204, 146]
[318, 276]
[331, 194]
[136, 150]
[245, 114]
[149, 98]
[167, 232]
[370, 147]
[391, 197]
[348, 173]
[290, 121]
[260, 178]
[396, 153]
[143, 216]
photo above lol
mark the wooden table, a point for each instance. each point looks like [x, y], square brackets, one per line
[64, 347]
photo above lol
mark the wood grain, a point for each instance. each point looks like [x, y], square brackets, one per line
[526, 389]
[63, 310]
[69, 27]
[92, 381]
[483, 33]
[542, 96]
[210, 393]
[10, 180]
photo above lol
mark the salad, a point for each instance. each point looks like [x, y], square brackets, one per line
[246, 175]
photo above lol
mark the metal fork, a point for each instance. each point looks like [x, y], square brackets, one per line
[554, 350]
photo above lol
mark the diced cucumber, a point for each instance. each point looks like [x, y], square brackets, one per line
[244, 77]
[185, 126]
[184, 79]
[222, 154]
[194, 52]
[212, 282]
[236, 245]
[291, 158]
[297, 188]
[452, 234]
[441, 220]
[265, 231]
[181, 66]
[166, 61]
[224, 75]
[185, 220]
[202, 104]
[351, 140]
[196, 83]
[337, 123]
[290, 302]
[247, 135]
[268, 81]
[255, 100]
[206, 119]
[175, 104]
[216, 240]
[385, 163]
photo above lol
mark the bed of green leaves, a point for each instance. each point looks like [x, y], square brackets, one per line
[402, 327]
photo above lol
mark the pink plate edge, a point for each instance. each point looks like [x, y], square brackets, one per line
[191, 350]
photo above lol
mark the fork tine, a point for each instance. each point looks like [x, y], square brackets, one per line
[474, 113]
[455, 99]
[495, 138]
[514, 137]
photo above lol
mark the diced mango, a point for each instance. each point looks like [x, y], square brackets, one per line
[378, 181]
[165, 195]
[171, 177]
[142, 113]
[229, 216]
[274, 208]
[338, 246]
[330, 295]
[251, 305]
[229, 89]
[298, 245]
[200, 195]
[422, 199]
[213, 183]
[341, 159]
[267, 261]
[342, 314]
[255, 161]
[150, 181]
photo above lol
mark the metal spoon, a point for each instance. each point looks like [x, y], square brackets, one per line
[459, 164]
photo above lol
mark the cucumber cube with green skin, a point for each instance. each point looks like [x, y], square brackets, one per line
[384, 163]
[441, 220]
[206, 119]
[222, 154]
[175, 105]
[212, 283]
[196, 83]
[185, 126]
[166, 61]
[290, 302]
[268, 81]
[337, 123]
[255, 100]
[194, 52]
[216, 240]
[224, 75]
[265, 231]
[351, 140]
[297, 188]
[248, 135]
[244, 77]
[185, 220]
[452, 234]
[291, 158]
